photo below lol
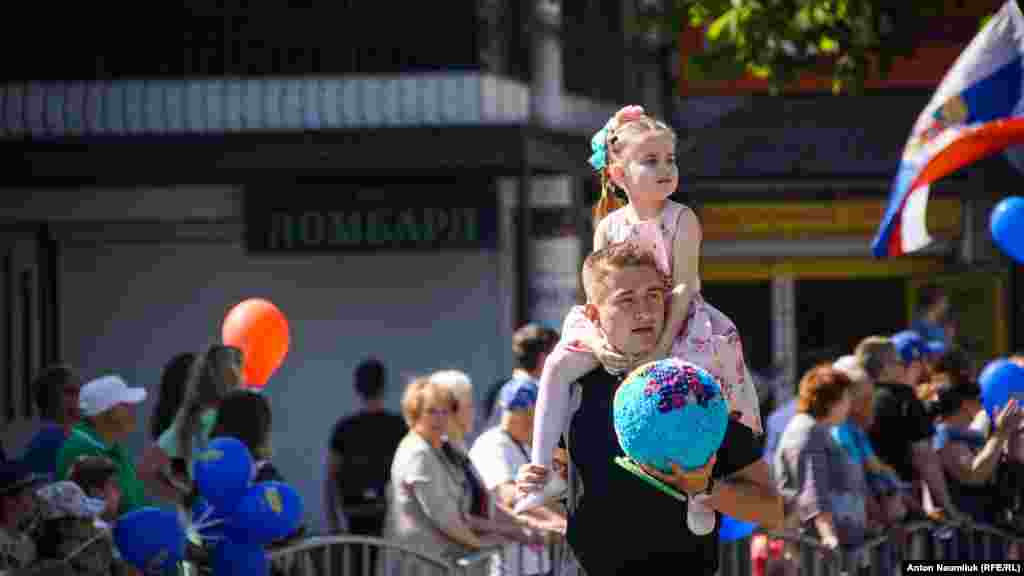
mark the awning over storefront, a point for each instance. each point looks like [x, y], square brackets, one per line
[227, 106]
[218, 130]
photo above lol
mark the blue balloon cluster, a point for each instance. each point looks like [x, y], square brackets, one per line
[670, 411]
[1000, 380]
[1007, 226]
[150, 539]
[235, 516]
[245, 516]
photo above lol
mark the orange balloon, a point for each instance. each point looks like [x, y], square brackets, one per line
[260, 330]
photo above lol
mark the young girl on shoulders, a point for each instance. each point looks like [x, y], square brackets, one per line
[635, 154]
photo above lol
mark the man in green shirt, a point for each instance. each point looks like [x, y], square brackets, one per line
[108, 416]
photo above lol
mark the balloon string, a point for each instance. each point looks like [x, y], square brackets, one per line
[205, 525]
[102, 534]
[204, 516]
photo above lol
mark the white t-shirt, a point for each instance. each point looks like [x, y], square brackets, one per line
[497, 457]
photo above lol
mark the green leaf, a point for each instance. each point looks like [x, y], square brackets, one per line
[724, 22]
[985, 20]
[758, 36]
[760, 71]
[696, 14]
[802, 20]
[828, 45]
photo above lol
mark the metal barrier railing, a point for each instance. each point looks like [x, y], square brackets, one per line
[350, 555]
[881, 555]
[802, 555]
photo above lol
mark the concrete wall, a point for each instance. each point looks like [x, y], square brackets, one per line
[139, 284]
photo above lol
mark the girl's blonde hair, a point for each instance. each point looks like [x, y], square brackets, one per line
[212, 377]
[619, 133]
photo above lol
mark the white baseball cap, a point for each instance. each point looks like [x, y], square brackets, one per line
[102, 394]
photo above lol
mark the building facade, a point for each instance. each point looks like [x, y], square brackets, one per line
[409, 185]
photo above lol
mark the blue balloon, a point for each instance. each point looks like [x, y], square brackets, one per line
[1000, 380]
[1007, 226]
[269, 511]
[150, 539]
[231, 558]
[733, 529]
[222, 473]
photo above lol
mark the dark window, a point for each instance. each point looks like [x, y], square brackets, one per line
[594, 49]
[749, 306]
[834, 315]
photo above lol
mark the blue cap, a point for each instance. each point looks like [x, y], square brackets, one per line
[909, 345]
[518, 394]
[936, 347]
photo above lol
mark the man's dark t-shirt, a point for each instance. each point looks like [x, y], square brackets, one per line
[621, 524]
[366, 444]
[900, 422]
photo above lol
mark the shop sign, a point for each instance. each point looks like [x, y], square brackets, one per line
[434, 216]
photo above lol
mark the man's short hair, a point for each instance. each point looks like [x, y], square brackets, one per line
[370, 378]
[874, 352]
[529, 342]
[48, 388]
[603, 262]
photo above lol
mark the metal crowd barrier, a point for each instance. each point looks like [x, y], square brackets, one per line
[802, 555]
[880, 556]
[349, 555]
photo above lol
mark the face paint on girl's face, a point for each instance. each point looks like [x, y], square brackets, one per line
[649, 166]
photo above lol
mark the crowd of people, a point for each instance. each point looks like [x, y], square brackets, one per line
[59, 498]
[417, 477]
[891, 432]
[428, 481]
[896, 432]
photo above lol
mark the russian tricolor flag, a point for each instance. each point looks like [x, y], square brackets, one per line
[976, 111]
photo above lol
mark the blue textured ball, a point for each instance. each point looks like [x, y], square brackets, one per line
[670, 411]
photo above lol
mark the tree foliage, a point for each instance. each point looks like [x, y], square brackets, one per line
[778, 40]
